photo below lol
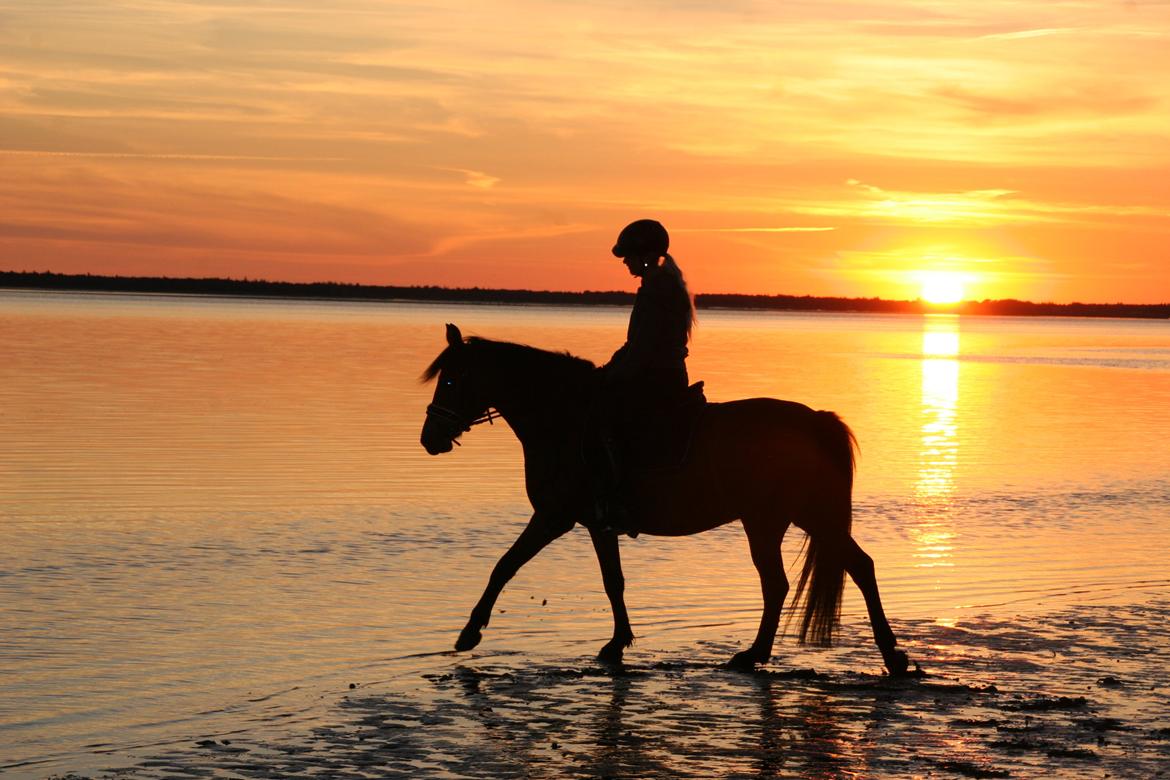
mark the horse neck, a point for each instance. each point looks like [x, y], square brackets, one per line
[535, 401]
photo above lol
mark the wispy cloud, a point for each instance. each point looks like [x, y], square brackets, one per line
[787, 229]
[976, 206]
[1093, 100]
[137, 156]
[1041, 32]
[477, 179]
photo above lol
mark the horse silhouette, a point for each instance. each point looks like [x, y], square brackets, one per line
[766, 462]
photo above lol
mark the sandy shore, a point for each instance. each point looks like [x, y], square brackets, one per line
[1082, 693]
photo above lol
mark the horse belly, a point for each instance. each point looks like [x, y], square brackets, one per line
[678, 503]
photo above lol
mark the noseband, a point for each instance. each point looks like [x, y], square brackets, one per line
[452, 417]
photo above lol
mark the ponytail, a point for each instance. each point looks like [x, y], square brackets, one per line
[676, 273]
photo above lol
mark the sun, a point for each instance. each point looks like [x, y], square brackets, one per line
[941, 286]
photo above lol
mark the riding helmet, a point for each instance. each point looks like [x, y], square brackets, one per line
[643, 235]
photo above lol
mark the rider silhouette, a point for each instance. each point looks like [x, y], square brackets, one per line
[649, 371]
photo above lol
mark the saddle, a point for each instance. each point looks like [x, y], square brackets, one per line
[662, 441]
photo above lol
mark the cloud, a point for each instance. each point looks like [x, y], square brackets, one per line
[1041, 32]
[1085, 100]
[787, 229]
[963, 208]
[136, 156]
[513, 234]
[477, 179]
[935, 257]
[292, 34]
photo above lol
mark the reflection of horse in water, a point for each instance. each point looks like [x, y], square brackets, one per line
[766, 462]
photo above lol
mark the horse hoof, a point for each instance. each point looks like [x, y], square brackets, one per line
[743, 661]
[898, 664]
[610, 654]
[468, 638]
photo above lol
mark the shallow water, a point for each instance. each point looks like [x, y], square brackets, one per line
[216, 515]
[1071, 694]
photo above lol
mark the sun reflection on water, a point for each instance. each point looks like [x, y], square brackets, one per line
[934, 535]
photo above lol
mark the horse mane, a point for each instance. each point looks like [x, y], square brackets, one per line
[435, 367]
[512, 355]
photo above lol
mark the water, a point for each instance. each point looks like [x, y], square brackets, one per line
[215, 513]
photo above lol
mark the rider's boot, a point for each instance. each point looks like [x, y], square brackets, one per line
[612, 506]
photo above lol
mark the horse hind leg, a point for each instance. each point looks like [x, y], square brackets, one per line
[861, 569]
[764, 540]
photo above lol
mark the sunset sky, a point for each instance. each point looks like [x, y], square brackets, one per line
[1019, 149]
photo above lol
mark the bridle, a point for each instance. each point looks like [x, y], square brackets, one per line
[451, 417]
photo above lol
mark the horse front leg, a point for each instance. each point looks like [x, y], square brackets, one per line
[537, 535]
[605, 544]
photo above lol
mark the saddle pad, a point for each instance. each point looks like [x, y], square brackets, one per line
[663, 441]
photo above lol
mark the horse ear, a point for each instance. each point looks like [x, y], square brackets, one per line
[454, 337]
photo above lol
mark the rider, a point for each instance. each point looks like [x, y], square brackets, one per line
[649, 370]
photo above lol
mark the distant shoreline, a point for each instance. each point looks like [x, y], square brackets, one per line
[18, 280]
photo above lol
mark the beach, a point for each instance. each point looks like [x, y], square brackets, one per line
[1080, 693]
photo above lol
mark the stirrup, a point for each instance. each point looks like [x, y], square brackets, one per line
[606, 512]
[612, 517]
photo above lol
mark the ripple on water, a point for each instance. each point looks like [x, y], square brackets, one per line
[1052, 697]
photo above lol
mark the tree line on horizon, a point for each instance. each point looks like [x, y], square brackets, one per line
[47, 280]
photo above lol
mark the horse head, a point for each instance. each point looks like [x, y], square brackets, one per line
[458, 402]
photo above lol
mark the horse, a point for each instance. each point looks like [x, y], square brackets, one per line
[766, 462]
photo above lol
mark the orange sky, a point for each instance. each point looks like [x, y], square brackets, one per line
[827, 148]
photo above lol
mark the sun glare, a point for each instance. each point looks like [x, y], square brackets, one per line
[941, 286]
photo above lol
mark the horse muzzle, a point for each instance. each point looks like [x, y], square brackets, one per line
[435, 440]
[439, 448]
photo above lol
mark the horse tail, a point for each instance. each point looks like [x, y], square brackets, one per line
[822, 579]
[839, 440]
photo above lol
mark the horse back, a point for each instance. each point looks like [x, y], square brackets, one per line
[785, 435]
[750, 457]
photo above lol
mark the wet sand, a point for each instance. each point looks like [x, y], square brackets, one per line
[1080, 693]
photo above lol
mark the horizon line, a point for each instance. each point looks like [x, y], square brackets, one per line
[936, 307]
